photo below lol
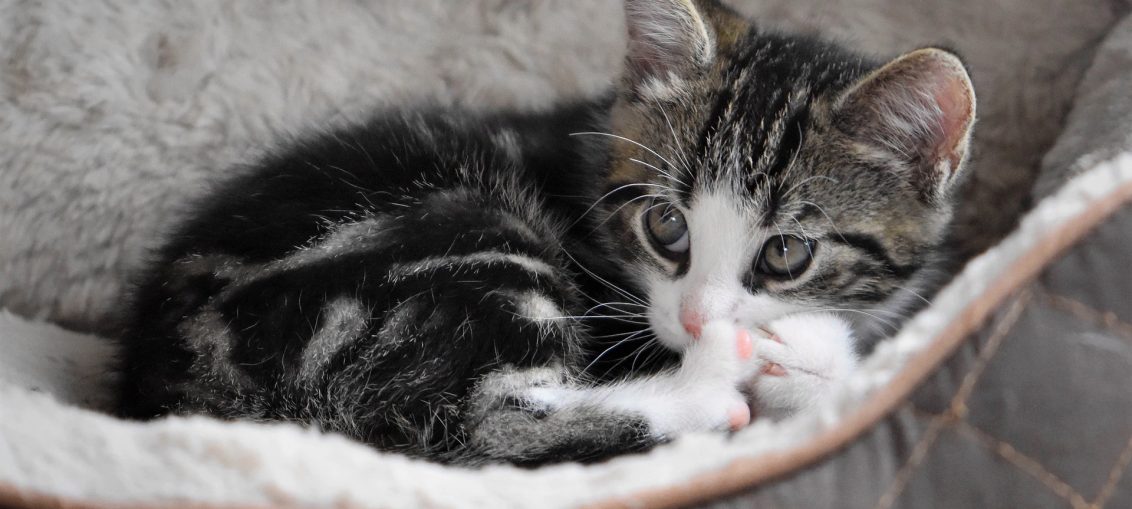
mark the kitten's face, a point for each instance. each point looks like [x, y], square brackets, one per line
[769, 175]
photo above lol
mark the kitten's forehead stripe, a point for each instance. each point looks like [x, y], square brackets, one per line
[873, 247]
[703, 141]
[761, 114]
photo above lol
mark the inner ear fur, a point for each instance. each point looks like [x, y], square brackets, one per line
[919, 109]
[669, 41]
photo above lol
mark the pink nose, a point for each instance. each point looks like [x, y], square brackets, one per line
[693, 321]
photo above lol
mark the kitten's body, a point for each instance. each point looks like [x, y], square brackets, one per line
[417, 282]
[371, 302]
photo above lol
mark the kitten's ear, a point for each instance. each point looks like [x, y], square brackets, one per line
[918, 110]
[669, 40]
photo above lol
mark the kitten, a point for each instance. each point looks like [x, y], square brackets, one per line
[445, 283]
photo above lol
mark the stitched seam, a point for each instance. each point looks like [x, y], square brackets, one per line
[919, 452]
[1105, 319]
[959, 403]
[1112, 323]
[1026, 464]
[1113, 477]
[957, 409]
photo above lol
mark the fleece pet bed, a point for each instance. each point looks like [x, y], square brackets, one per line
[1010, 390]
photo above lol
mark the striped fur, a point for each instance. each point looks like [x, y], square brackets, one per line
[477, 287]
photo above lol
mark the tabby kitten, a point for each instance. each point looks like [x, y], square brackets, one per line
[445, 283]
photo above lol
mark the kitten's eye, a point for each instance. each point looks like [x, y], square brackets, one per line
[786, 255]
[665, 224]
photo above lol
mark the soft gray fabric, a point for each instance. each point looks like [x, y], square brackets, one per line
[1098, 127]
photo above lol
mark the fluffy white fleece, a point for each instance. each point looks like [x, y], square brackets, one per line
[47, 446]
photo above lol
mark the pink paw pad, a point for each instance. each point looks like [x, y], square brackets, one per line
[738, 417]
[745, 345]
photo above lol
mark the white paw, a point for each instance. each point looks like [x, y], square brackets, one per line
[545, 400]
[806, 355]
[704, 394]
[539, 391]
[723, 353]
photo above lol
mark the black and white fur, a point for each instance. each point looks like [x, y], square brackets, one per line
[474, 287]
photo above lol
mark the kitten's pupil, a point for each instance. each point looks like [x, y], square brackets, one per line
[667, 229]
[786, 255]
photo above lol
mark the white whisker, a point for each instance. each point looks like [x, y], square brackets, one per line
[914, 294]
[646, 343]
[827, 217]
[615, 306]
[607, 195]
[658, 170]
[626, 204]
[607, 350]
[656, 349]
[683, 155]
[895, 326]
[653, 152]
[611, 286]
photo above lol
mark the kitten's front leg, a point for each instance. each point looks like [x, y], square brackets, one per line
[802, 359]
[703, 394]
[540, 415]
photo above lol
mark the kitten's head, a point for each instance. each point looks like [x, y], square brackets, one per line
[758, 175]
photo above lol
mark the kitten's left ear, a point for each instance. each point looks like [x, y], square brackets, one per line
[669, 40]
[917, 110]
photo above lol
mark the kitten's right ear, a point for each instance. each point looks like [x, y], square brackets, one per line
[669, 41]
[918, 110]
